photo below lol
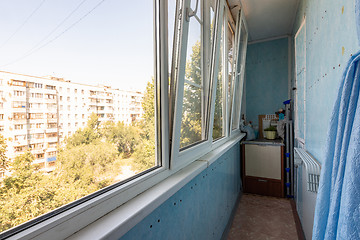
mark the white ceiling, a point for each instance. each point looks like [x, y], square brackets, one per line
[267, 18]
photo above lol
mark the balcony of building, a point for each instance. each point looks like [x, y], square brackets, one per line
[51, 130]
[51, 139]
[39, 160]
[51, 120]
[49, 91]
[35, 140]
[50, 100]
[37, 151]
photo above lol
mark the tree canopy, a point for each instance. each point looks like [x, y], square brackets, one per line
[191, 126]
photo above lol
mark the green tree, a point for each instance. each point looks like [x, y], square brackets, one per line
[145, 152]
[26, 194]
[191, 126]
[84, 166]
[218, 112]
[125, 138]
[3, 158]
[87, 135]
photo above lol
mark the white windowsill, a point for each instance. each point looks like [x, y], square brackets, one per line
[122, 219]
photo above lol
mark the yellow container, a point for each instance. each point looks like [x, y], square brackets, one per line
[270, 135]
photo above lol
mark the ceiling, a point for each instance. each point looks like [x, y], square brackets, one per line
[267, 18]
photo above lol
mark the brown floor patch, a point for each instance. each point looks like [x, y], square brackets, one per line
[262, 217]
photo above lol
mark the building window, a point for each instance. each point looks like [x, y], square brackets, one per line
[19, 93]
[18, 126]
[49, 87]
[38, 85]
[39, 156]
[19, 116]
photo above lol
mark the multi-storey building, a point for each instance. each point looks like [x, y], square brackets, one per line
[37, 113]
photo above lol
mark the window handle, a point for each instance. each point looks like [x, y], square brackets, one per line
[190, 13]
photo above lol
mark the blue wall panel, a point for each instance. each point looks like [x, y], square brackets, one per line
[266, 77]
[201, 209]
[330, 41]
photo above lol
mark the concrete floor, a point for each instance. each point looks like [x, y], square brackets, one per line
[262, 217]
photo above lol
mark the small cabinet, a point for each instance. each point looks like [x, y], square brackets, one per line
[263, 169]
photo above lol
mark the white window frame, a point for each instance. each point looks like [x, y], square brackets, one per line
[226, 19]
[240, 60]
[65, 221]
[297, 122]
[181, 158]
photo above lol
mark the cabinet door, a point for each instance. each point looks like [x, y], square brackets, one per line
[263, 161]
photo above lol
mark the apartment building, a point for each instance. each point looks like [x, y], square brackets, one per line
[39, 112]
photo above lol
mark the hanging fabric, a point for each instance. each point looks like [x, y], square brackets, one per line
[337, 212]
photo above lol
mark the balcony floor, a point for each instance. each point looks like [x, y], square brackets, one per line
[261, 217]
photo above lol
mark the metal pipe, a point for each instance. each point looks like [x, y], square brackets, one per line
[287, 113]
[291, 157]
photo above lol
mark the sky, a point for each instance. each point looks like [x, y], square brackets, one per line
[93, 42]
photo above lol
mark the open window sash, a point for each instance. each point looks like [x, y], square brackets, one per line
[182, 154]
[224, 21]
[241, 38]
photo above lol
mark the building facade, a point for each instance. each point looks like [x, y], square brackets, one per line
[40, 112]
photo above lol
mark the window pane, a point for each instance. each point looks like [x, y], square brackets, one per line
[77, 110]
[230, 63]
[219, 120]
[239, 78]
[192, 126]
[171, 28]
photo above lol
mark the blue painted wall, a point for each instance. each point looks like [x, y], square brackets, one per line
[330, 41]
[201, 209]
[266, 78]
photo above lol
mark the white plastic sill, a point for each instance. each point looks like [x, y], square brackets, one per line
[118, 222]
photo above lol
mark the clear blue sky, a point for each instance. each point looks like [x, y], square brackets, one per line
[113, 45]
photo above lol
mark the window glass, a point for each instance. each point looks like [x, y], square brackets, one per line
[220, 107]
[230, 61]
[109, 135]
[192, 126]
[171, 26]
[239, 77]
